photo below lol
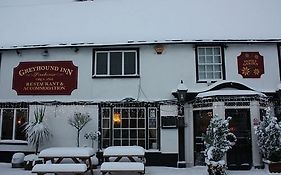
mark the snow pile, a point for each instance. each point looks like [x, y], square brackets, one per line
[67, 152]
[124, 150]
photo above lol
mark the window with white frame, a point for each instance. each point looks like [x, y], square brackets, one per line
[127, 125]
[110, 63]
[12, 123]
[209, 63]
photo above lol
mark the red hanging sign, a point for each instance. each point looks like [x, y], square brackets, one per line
[45, 78]
[250, 64]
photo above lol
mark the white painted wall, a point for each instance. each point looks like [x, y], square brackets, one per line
[159, 74]
[169, 137]
[269, 80]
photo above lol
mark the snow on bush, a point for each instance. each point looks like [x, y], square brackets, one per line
[37, 131]
[269, 137]
[218, 139]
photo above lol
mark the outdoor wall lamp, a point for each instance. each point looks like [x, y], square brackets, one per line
[19, 53]
[45, 53]
[159, 48]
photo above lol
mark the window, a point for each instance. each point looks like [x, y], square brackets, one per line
[115, 63]
[209, 63]
[127, 125]
[12, 123]
[169, 121]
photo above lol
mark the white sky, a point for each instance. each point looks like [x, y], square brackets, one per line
[54, 22]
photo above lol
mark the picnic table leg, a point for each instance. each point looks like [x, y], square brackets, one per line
[90, 166]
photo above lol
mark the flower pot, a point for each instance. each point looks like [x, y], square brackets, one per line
[274, 167]
[216, 168]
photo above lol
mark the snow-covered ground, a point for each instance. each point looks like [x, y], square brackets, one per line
[5, 169]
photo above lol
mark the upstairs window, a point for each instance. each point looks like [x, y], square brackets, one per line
[209, 63]
[115, 63]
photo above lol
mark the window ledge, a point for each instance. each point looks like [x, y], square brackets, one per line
[13, 142]
[119, 76]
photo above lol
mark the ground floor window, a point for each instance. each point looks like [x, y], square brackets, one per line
[130, 124]
[12, 123]
[201, 121]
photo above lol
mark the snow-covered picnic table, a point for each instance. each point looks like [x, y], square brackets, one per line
[118, 152]
[77, 154]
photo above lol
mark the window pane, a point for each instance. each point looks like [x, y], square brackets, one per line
[105, 123]
[141, 123]
[217, 68]
[141, 143]
[133, 113]
[133, 123]
[117, 133]
[209, 59]
[209, 68]
[209, 51]
[152, 144]
[101, 64]
[125, 142]
[217, 59]
[152, 133]
[105, 143]
[105, 133]
[125, 133]
[141, 113]
[202, 75]
[217, 51]
[152, 123]
[7, 124]
[125, 123]
[201, 51]
[133, 142]
[106, 113]
[116, 63]
[129, 63]
[125, 113]
[133, 133]
[141, 134]
[21, 118]
[210, 75]
[201, 59]
[217, 75]
[201, 68]
[117, 142]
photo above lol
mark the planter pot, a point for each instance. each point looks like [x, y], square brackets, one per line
[216, 168]
[274, 167]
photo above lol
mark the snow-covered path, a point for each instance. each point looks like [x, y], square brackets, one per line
[5, 169]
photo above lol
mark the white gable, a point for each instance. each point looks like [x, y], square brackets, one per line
[59, 22]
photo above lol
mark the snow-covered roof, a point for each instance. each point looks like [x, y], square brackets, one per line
[229, 92]
[61, 23]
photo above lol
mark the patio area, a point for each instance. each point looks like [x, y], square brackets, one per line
[6, 169]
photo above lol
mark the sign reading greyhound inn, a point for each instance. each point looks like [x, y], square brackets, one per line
[45, 78]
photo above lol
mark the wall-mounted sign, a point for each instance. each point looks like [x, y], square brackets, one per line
[45, 78]
[250, 64]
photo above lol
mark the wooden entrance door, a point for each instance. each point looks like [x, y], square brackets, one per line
[240, 156]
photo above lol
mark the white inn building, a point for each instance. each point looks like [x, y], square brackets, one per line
[149, 73]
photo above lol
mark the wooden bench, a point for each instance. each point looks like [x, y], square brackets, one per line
[107, 167]
[42, 169]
